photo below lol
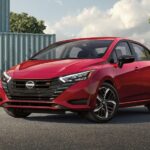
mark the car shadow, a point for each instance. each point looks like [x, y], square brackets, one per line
[124, 116]
[132, 115]
[59, 118]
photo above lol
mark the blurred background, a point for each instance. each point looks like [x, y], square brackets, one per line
[82, 18]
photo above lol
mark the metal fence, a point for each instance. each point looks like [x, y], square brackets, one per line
[17, 47]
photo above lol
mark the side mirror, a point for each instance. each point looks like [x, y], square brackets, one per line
[125, 59]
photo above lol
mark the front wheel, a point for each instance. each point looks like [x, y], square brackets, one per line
[106, 104]
[16, 113]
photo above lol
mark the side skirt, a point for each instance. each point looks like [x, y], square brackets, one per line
[134, 103]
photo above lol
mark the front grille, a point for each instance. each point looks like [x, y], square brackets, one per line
[43, 84]
[44, 90]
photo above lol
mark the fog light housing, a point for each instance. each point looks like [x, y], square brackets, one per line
[79, 102]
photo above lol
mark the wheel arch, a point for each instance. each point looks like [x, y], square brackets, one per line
[109, 80]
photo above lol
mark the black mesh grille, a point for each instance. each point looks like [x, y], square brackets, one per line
[44, 89]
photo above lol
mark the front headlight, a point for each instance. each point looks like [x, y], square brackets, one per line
[76, 77]
[6, 77]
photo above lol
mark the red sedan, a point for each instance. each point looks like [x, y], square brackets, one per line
[90, 76]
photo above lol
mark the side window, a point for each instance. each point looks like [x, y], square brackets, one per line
[141, 52]
[113, 57]
[123, 49]
[147, 53]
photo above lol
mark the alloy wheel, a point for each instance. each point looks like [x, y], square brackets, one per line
[105, 103]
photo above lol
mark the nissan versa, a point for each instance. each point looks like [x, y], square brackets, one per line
[90, 76]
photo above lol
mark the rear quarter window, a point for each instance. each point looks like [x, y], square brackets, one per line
[141, 52]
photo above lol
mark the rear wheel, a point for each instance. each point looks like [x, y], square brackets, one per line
[106, 104]
[16, 113]
[148, 107]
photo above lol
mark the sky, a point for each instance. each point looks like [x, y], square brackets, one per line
[86, 18]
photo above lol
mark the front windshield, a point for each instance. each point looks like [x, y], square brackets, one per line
[83, 49]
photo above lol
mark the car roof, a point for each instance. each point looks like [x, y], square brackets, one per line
[93, 38]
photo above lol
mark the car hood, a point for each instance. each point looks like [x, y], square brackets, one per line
[42, 69]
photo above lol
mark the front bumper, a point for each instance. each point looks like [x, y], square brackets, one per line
[78, 97]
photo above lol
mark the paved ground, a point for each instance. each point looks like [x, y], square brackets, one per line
[130, 130]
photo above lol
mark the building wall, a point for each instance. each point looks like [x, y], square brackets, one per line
[4, 15]
[17, 47]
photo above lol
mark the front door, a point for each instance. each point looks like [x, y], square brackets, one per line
[127, 78]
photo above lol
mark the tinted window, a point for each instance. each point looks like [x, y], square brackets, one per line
[141, 52]
[123, 49]
[75, 50]
[100, 51]
[113, 57]
[147, 53]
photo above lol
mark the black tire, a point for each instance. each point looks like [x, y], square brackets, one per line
[148, 107]
[82, 114]
[17, 113]
[103, 104]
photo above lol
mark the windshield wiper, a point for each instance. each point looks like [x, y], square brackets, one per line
[71, 58]
[33, 59]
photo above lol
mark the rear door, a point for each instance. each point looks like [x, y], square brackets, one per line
[127, 78]
[143, 57]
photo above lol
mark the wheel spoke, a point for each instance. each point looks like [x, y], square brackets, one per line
[106, 112]
[102, 111]
[99, 99]
[106, 92]
[98, 108]
[111, 105]
[111, 101]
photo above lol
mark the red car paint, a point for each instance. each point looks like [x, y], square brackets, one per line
[132, 81]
